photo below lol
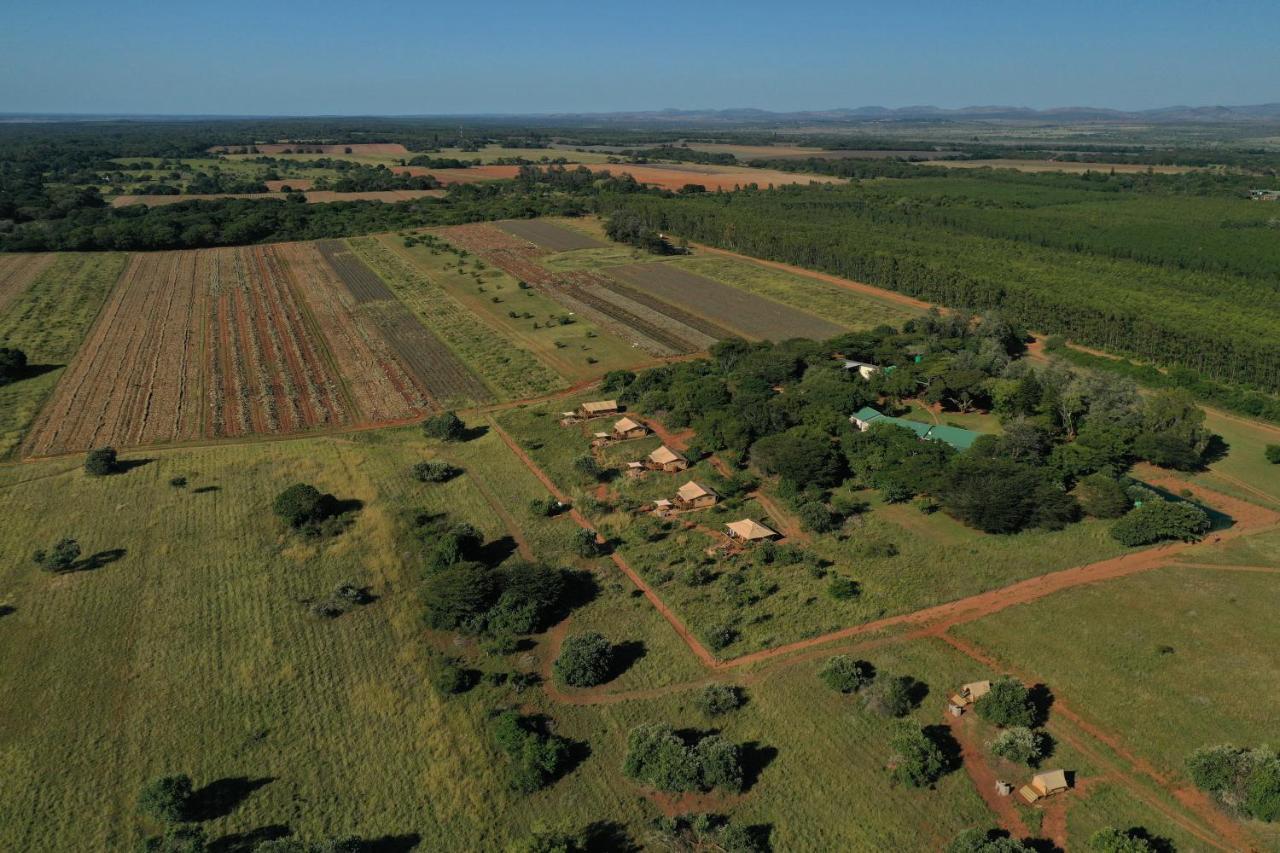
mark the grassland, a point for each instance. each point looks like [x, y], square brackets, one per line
[47, 322]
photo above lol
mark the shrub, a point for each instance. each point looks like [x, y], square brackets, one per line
[101, 462]
[1273, 454]
[585, 660]
[458, 596]
[452, 678]
[178, 482]
[698, 575]
[718, 699]
[60, 557]
[13, 364]
[846, 675]
[1160, 520]
[721, 636]
[986, 841]
[303, 505]
[586, 545]
[1007, 704]
[843, 589]
[1021, 744]
[1112, 840]
[188, 838]
[656, 756]
[892, 696]
[537, 756]
[544, 507]
[446, 426]
[1103, 497]
[588, 467]
[917, 762]
[433, 472]
[166, 798]
[816, 517]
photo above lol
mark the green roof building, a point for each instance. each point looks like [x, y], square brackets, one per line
[960, 439]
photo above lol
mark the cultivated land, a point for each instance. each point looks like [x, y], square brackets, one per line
[206, 660]
[312, 196]
[1058, 166]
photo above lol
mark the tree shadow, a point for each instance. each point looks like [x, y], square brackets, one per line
[7, 610]
[94, 561]
[625, 655]
[1215, 451]
[608, 836]
[1042, 845]
[917, 692]
[204, 490]
[124, 466]
[1042, 701]
[247, 842]
[755, 758]
[472, 433]
[496, 551]
[947, 744]
[31, 371]
[221, 797]
[391, 843]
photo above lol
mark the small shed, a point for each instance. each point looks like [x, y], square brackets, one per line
[1043, 785]
[864, 418]
[970, 693]
[626, 428]
[750, 531]
[865, 370]
[695, 496]
[598, 408]
[635, 469]
[600, 439]
[666, 459]
[661, 505]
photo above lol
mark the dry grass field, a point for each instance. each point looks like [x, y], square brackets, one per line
[17, 272]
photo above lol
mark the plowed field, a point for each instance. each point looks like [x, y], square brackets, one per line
[254, 340]
[548, 235]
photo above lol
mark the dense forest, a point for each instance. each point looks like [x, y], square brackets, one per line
[1063, 278]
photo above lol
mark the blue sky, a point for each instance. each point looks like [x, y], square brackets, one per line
[395, 57]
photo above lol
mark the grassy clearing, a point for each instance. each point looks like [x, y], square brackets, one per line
[1106, 650]
[855, 310]
[568, 350]
[48, 322]
[509, 371]
[594, 259]
[1244, 472]
[937, 560]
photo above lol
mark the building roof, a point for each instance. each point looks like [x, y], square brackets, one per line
[635, 464]
[748, 529]
[1050, 780]
[976, 689]
[664, 455]
[850, 364]
[960, 439]
[662, 503]
[691, 490]
[600, 435]
[626, 425]
[601, 406]
[866, 413]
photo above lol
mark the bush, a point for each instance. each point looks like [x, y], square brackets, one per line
[917, 762]
[166, 798]
[843, 589]
[537, 756]
[433, 472]
[585, 660]
[13, 364]
[544, 507]
[816, 517]
[718, 699]
[303, 505]
[1021, 744]
[986, 841]
[588, 467]
[453, 678]
[1007, 704]
[446, 426]
[586, 545]
[101, 462]
[846, 675]
[60, 557]
[178, 482]
[1159, 520]
[656, 756]
[1112, 840]
[892, 696]
[1273, 454]
[1103, 497]
[187, 838]
[459, 596]
[721, 636]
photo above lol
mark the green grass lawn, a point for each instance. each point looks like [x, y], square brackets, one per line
[48, 322]
[1244, 471]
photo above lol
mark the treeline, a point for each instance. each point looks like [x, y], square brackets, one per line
[681, 154]
[374, 179]
[1210, 325]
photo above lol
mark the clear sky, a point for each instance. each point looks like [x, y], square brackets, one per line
[393, 57]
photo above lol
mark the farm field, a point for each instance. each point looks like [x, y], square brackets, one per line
[577, 352]
[47, 320]
[470, 175]
[674, 176]
[228, 342]
[1072, 167]
[796, 152]
[350, 148]
[550, 236]
[312, 196]
[16, 274]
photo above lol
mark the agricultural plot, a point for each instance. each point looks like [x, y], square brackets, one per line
[746, 313]
[227, 342]
[47, 320]
[674, 176]
[480, 363]
[350, 148]
[17, 272]
[312, 196]
[549, 235]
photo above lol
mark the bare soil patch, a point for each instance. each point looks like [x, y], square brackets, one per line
[548, 235]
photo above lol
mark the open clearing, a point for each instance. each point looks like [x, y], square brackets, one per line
[17, 272]
[226, 342]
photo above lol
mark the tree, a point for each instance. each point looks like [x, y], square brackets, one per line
[1102, 496]
[999, 496]
[719, 699]
[816, 517]
[166, 798]
[60, 557]
[587, 466]
[433, 471]
[1008, 703]
[1021, 744]
[846, 675]
[986, 841]
[1112, 840]
[586, 544]
[537, 756]
[446, 426]
[917, 761]
[458, 596]
[1159, 520]
[100, 462]
[1273, 454]
[302, 504]
[585, 660]
[184, 838]
[657, 756]
[799, 455]
[1262, 795]
[13, 365]
[892, 696]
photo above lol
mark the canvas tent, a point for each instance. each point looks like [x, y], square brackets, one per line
[695, 496]
[749, 531]
[598, 408]
[1043, 785]
[626, 428]
[666, 459]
